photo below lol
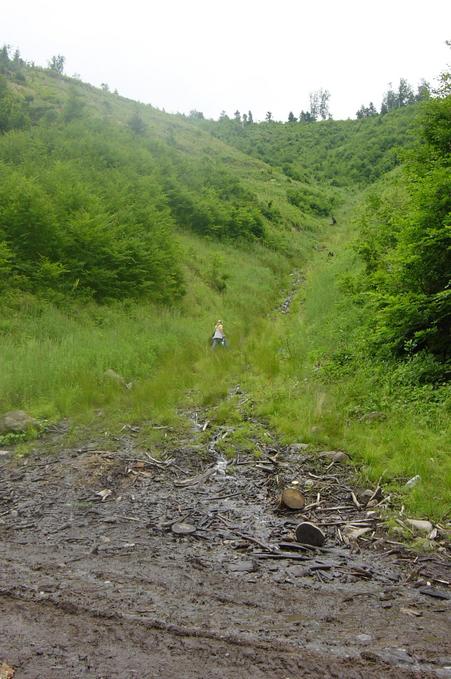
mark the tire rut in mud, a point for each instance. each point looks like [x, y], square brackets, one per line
[102, 586]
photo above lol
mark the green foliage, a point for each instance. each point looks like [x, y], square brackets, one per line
[316, 379]
[211, 201]
[73, 107]
[137, 124]
[12, 66]
[404, 242]
[76, 224]
[311, 199]
[56, 64]
[13, 109]
[341, 153]
[88, 210]
[106, 200]
[217, 275]
[319, 104]
[366, 111]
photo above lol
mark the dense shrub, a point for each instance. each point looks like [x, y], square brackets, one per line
[341, 153]
[88, 207]
[405, 243]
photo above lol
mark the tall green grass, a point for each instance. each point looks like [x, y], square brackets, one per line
[53, 360]
[316, 382]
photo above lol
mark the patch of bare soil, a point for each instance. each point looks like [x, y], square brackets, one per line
[116, 564]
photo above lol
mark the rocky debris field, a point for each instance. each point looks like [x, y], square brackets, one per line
[119, 564]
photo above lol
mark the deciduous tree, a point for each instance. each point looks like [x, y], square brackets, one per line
[56, 64]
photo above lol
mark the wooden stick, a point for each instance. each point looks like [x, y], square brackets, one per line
[355, 501]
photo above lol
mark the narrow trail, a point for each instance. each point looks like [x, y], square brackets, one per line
[296, 282]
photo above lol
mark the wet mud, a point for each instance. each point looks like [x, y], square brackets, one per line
[117, 564]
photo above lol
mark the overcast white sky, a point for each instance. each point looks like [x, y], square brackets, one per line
[261, 55]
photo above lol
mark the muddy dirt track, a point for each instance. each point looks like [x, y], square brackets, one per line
[183, 568]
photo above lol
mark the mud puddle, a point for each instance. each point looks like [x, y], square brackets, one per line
[117, 564]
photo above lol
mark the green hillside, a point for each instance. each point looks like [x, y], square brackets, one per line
[114, 179]
[336, 152]
[125, 233]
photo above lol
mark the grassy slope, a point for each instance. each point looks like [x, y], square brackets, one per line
[313, 375]
[52, 359]
[315, 383]
[189, 141]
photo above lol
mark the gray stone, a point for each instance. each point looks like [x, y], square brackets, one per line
[413, 481]
[112, 375]
[298, 447]
[335, 455]
[16, 422]
[395, 656]
[443, 673]
[243, 567]
[373, 416]
[424, 527]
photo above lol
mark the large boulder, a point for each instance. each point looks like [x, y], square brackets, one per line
[16, 422]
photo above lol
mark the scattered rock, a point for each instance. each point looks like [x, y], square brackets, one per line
[365, 496]
[395, 656]
[103, 494]
[372, 503]
[436, 593]
[115, 377]
[4, 452]
[183, 528]
[386, 596]
[351, 533]
[221, 466]
[243, 567]
[309, 534]
[6, 671]
[413, 481]
[298, 447]
[424, 527]
[364, 638]
[373, 416]
[292, 498]
[335, 455]
[299, 571]
[16, 422]
[412, 612]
